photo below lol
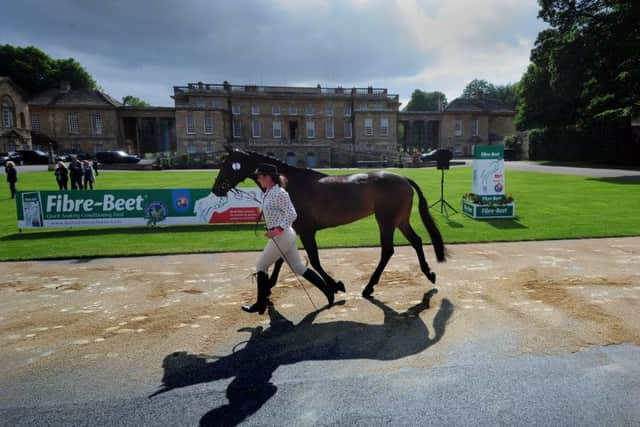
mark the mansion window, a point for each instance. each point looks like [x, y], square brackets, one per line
[368, 127]
[308, 110]
[275, 110]
[237, 127]
[330, 129]
[311, 129]
[96, 123]
[293, 110]
[474, 127]
[277, 129]
[458, 127]
[347, 110]
[329, 110]
[255, 110]
[35, 122]
[384, 126]
[235, 109]
[256, 128]
[74, 123]
[348, 130]
[191, 124]
[7, 112]
[208, 123]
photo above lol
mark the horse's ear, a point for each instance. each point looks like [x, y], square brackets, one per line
[229, 148]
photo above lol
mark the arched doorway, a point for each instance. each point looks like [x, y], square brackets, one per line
[312, 160]
[290, 158]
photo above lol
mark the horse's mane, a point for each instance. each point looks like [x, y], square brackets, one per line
[284, 168]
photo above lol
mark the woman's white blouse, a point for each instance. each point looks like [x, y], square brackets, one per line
[277, 208]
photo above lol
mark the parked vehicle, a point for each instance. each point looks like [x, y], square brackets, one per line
[10, 156]
[34, 157]
[429, 156]
[107, 157]
[511, 154]
[65, 156]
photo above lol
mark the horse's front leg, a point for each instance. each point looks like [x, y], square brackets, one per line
[308, 239]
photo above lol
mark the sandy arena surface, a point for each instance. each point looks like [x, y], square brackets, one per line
[128, 314]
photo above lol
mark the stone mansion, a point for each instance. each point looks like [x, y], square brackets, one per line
[303, 126]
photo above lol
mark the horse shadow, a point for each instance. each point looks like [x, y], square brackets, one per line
[284, 343]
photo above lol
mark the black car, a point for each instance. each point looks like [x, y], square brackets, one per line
[107, 157]
[10, 156]
[429, 155]
[66, 156]
[34, 157]
[511, 154]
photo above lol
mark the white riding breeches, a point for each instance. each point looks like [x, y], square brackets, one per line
[281, 246]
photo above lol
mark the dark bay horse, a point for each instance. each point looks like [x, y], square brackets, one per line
[324, 201]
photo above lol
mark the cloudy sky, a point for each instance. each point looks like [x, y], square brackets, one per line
[144, 48]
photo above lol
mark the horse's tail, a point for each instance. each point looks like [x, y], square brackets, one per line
[434, 233]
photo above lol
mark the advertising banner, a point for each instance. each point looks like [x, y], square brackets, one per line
[487, 199]
[488, 170]
[42, 209]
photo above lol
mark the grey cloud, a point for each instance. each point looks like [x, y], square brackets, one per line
[227, 40]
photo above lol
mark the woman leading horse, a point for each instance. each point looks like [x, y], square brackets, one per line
[279, 215]
[324, 201]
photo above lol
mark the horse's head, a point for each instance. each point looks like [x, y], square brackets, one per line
[236, 167]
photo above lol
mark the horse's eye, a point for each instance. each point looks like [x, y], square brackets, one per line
[235, 166]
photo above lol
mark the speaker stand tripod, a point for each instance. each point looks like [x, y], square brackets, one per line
[443, 203]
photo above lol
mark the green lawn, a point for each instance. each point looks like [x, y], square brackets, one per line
[547, 207]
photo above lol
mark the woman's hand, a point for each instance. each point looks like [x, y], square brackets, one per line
[272, 233]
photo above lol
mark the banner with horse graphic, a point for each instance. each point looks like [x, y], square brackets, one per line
[488, 199]
[43, 209]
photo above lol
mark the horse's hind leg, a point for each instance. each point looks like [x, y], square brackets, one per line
[416, 242]
[309, 242]
[274, 274]
[386, 244]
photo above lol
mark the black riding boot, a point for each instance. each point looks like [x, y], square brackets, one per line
[263, 294]
[313, 277]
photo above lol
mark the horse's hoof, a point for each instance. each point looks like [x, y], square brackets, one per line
[340, 287]
[432, 277]
[367, 292]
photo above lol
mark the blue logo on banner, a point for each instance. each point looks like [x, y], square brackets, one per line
[180, 200]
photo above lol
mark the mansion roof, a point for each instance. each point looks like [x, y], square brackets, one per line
[464, 105]
[74, 97]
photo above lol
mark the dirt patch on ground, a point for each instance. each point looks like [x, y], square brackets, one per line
[544, 297]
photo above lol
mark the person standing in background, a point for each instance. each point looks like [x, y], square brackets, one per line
[75, 172]
[62, 176]
[12, 177]
[87, 173]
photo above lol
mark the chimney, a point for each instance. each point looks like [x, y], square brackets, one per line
[65, 86]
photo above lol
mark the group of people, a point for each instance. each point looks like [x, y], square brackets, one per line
[82, 174]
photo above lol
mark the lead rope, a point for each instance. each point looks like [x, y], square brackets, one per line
[250, 196]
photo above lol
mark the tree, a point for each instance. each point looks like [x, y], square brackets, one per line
[482, 89]
[132, 101]
[35, 71]
[585, 69]
[426, 101]
[478, 89]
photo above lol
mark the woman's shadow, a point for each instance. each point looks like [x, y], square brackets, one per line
[283, 343]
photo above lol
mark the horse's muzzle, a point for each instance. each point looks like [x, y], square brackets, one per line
[220, 190]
